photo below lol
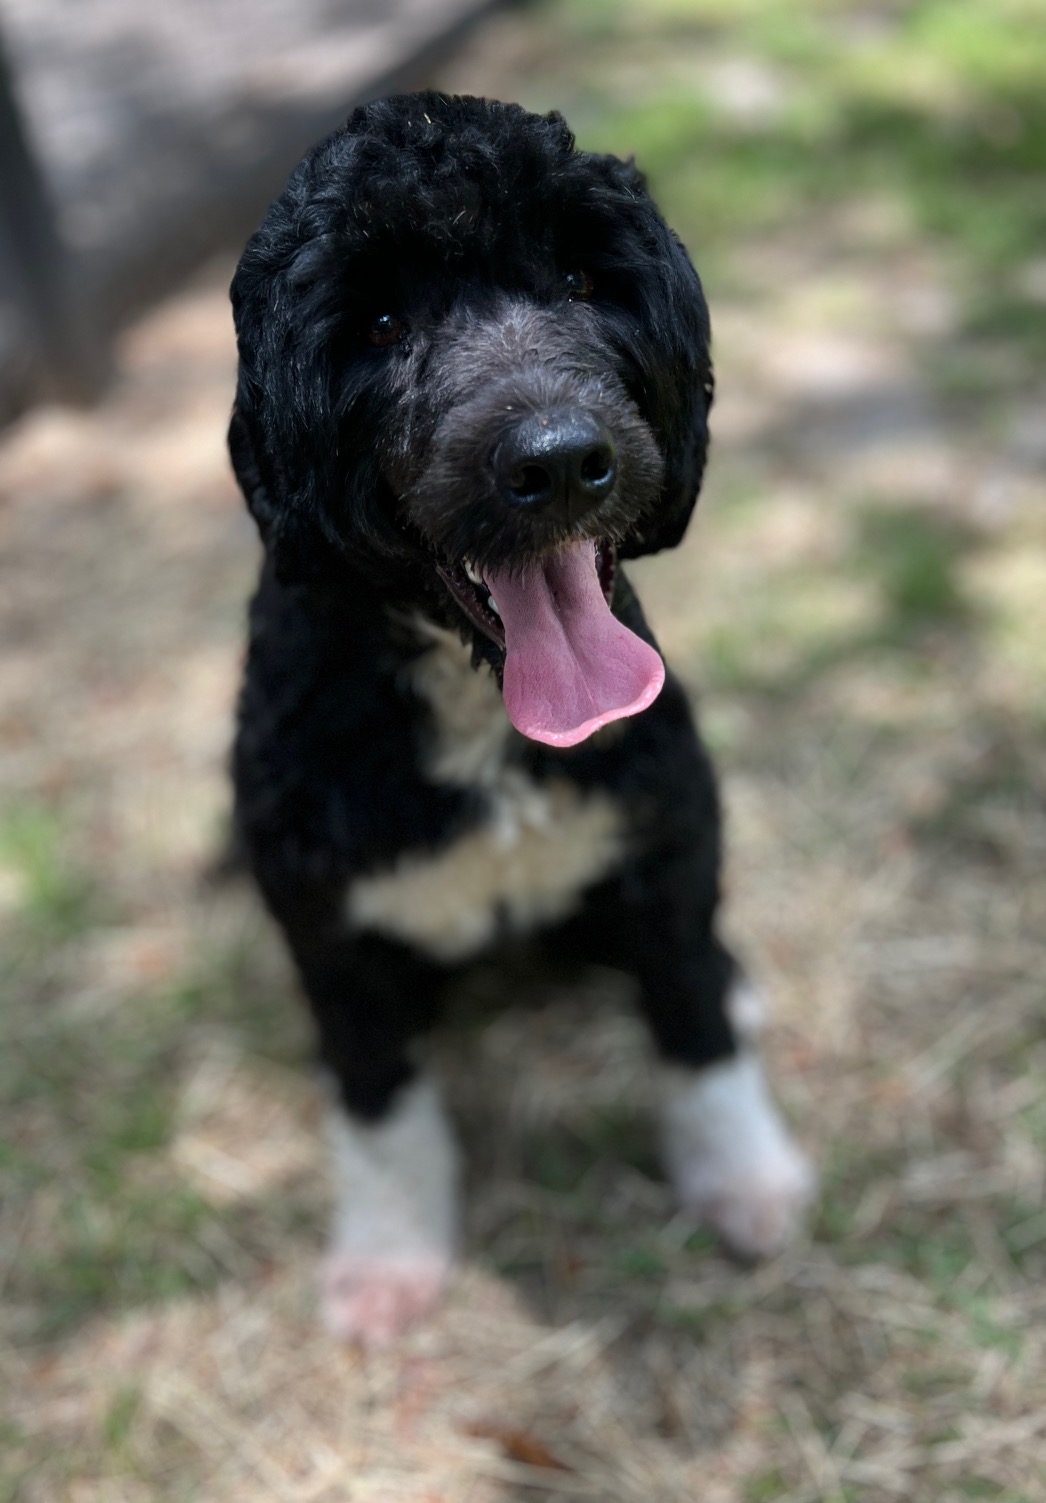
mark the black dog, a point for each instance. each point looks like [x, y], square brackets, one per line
[474, 376]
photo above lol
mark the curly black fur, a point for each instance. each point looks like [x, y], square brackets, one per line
[432, 271]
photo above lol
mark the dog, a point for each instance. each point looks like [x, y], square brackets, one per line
[474, 379]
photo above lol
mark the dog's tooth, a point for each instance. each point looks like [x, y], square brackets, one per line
[472, 572]
[494, 606]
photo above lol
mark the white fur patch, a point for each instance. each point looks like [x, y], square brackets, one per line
[472, 725]
[527, 864]
[396, 1217]
[730, 1156]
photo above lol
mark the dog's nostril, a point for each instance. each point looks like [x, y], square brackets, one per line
[531, 484]
[598, 469]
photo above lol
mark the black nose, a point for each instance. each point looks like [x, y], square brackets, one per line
[560, 463]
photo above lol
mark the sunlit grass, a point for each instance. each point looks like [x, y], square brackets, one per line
[47, 896]
[939, 104]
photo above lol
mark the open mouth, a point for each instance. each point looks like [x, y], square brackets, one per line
[472, 593]
[570, 665]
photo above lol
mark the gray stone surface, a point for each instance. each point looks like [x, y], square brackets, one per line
[163, 129]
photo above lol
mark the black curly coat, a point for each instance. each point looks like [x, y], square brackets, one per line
[433, 265]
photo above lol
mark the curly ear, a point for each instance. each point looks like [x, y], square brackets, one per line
[283, 433]
[684, 440]
[668, 346]
[301, 436]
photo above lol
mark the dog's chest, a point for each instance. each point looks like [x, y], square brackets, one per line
[525, 864]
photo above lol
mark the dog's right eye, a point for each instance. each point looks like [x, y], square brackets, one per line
[384, 330]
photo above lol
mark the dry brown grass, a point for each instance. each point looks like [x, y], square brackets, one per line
[164, 1192]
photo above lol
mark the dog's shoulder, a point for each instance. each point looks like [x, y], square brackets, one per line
[331, 737]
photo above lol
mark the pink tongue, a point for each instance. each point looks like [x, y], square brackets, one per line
[570, 665]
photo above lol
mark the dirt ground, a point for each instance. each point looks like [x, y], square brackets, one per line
[862, 604]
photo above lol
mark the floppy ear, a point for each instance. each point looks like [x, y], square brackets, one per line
[280, 439]
[682, 428]
[668, 345]
[288, 442]
[301, 436]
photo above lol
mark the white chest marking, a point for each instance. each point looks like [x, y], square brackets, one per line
[527, 864]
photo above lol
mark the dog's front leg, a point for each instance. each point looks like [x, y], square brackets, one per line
[729, 1154]
[394, 1160]
[731, 1158]
[396, 1216]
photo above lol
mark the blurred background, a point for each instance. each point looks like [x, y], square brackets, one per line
[861, 606]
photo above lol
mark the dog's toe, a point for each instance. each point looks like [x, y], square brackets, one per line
[373, 1302]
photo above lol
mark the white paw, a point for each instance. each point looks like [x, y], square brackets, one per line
[731, 1158]
[373, 1302]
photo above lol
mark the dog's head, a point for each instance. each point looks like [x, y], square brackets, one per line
[474, 365]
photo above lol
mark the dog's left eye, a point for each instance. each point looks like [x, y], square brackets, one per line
[384, 330]
[578, 284]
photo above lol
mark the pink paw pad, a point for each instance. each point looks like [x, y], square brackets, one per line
[372, 1302]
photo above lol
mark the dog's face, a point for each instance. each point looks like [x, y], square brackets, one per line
[474, 364]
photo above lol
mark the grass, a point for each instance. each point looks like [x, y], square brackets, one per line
[860, 605]
[930, 115]
[913, 559]
[50, 900]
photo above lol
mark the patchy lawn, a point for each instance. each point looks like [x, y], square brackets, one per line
[862, 605]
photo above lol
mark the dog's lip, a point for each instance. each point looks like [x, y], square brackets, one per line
[465, 585]
[473, 599]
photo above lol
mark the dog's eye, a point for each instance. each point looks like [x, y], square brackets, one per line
[578, 284]
[384, 330]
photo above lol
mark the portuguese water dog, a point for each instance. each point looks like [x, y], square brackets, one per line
[474, 380]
